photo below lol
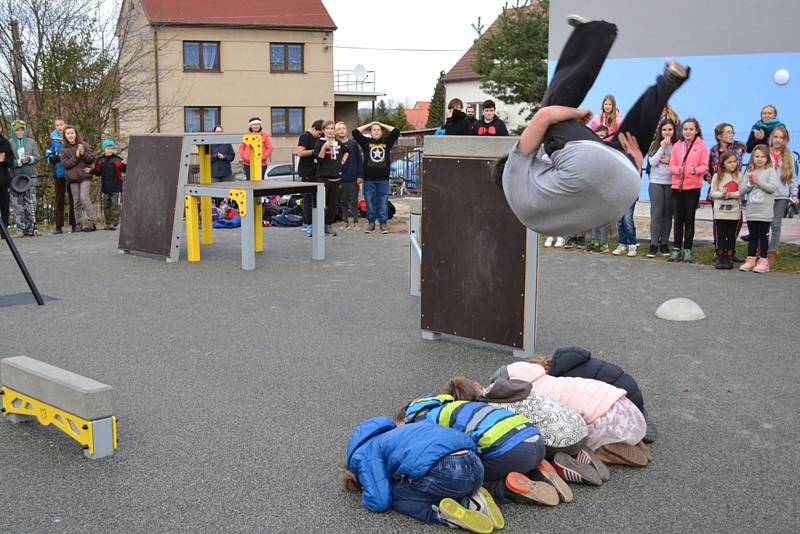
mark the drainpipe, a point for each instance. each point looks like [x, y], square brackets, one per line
[158, 99]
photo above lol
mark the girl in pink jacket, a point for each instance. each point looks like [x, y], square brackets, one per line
[611, 418]
[610, 117]
[688, 164]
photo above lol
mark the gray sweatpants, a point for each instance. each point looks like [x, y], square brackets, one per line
[80, 197]
[777, 218]
[600, 233]
[660, 213]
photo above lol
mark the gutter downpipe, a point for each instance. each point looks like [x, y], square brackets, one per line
[158, 99]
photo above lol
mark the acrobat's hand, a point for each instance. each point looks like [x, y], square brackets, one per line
[631, 147]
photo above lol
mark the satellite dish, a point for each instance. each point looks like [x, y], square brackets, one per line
[360, 73]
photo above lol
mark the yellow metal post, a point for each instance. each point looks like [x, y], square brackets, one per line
[203, 151]
[254, 141]
[192, 237]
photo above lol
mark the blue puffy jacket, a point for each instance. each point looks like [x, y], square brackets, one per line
[54, 152]
[378, 451]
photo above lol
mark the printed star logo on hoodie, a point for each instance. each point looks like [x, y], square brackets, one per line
[377, 153]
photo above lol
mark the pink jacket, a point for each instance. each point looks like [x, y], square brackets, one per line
[697, 159]
[596, 121]
[590, 398]
[266, 150]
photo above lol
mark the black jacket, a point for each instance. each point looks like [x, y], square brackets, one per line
[5, 167]
[576, 361]
[457, 124]
[221, 168]
[110, 170]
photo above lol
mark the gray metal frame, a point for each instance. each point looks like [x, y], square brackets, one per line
[218, 189]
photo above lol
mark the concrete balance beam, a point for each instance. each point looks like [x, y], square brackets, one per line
[71, 392]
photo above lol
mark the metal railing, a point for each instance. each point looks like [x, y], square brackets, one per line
[345, 81]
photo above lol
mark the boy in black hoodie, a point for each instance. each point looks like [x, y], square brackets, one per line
[110, 168]
[490, 124]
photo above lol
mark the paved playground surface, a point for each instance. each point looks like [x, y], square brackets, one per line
[236, 391]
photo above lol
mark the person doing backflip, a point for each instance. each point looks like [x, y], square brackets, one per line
[561, 178]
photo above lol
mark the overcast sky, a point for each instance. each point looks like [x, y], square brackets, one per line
[413, 24]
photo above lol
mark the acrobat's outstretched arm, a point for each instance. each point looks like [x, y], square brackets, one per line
[533, 136]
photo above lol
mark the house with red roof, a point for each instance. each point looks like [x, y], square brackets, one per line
[464, 83]
[417, 116]
[188, 65]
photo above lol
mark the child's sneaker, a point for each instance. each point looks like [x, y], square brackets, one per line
[632, 250]
[586, 456]
[571, 242]
[677, 255]
[548, 242]
[452, 514]
[620, 249]
[572, 470]
[483, 502]
[622, 454]
[548, 473]
[652, 252]
[762, 266]
[581, 242]
[602, 248]
[538, 492]
[370, 228]
[664, 249]
[748, 264]
[559, 242]
[687, 255]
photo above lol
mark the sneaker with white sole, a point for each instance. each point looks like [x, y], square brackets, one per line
[620, 249]
[548, 473]
[652, 252]
[587, 456]
[483, 502]
[576, 20]
[453, 514]
[531, 490]
[632, 250]
[559, 242]
[574, 471]
[548, 242]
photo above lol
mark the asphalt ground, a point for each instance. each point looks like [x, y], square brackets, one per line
[236, 391]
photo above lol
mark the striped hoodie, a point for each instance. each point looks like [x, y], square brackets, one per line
[494, 430]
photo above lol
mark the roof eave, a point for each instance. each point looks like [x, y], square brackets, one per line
[239, 26]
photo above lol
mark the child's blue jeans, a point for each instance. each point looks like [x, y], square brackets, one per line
[626, 228]
[376, 194]
[453, 476]
[523, 458]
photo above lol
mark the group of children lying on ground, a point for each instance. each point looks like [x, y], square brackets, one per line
[454, 457]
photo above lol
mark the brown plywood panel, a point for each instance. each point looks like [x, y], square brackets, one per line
[473, 254]
[150, 194]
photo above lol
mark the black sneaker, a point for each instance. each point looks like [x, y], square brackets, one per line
[58, 230]
[665, 251]
[581, 243]
[652, 252]
[571, 242]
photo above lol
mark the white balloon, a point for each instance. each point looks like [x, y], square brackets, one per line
[781, 76]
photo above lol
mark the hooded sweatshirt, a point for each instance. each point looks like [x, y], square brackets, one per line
[495, 128]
